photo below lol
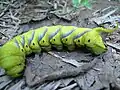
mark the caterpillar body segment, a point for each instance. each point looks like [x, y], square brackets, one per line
[12, 54]
[67, 37]
[10, 49]
[79, 36]
[16, 70]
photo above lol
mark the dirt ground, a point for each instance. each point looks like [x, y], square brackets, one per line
[96, 72]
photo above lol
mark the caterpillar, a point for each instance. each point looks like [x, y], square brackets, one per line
[13, 52]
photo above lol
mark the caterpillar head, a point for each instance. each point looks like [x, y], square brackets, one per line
[94, 37]
[12, 59]
[94, 42]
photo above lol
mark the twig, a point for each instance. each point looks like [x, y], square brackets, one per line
[110, 13]
[6, 26]
[113, 46]
[4, 35]
[13, 16]
[70, 61]
[103, 19]
[3, 12]
[8, 3]
[70, 87]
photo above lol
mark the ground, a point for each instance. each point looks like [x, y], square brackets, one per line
[95, 72]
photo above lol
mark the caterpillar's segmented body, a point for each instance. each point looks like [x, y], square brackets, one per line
[12, 54]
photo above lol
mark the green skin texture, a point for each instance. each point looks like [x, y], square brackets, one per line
[12, 54]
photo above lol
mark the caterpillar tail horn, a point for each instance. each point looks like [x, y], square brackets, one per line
[100, 29]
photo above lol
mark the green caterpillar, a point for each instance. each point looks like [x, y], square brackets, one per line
[12, 54]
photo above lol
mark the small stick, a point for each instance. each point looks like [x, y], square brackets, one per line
[70, 87]
[113, 46]
[70, 61]
[1, 14]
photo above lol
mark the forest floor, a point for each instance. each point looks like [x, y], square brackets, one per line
[45, 71]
